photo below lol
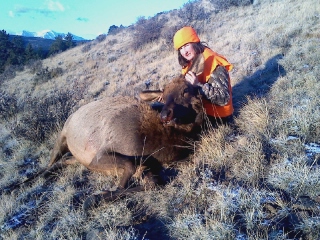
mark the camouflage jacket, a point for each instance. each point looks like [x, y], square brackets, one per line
[216, 90]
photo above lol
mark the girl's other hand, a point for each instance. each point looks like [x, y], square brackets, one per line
[191, 78]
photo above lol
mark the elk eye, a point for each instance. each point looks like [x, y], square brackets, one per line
[186, 92]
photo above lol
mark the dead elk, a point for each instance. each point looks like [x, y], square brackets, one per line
[122, 133]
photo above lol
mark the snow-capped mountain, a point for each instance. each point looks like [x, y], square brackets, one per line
[47, 34]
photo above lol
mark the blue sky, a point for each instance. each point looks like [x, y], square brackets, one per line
[85, 18]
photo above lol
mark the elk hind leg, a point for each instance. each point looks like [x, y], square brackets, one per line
[106, 162]
[59, 150]
[66, 159]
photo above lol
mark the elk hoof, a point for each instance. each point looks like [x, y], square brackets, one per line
[91, 202]
[94, 200]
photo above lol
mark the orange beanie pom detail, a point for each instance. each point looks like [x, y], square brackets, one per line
[183, 36]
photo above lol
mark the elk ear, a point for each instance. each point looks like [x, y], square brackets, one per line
[150, 95]
[199, 119]
[197, 65]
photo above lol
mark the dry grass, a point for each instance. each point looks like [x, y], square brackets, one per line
[255, 179]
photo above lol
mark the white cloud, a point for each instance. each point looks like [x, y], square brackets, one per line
[48, 8]
[55, 6]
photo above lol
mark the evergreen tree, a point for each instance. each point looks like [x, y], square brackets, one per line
[69, 41]
[4, 47]
[16, 52]
[30, 53]
[59, 45]
[42, 54]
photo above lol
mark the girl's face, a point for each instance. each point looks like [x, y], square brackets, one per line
[187, 51]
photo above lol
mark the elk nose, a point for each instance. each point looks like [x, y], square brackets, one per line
[166, 115]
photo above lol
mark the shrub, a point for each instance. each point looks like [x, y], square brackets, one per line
[112, 59]
[147, 31]
[168, 33]
[115, 29]
[101, 38]
[34, 66]
[42, 116]
[112, 42]
[10, 72]
[8, 105]
[56, 72]
[192, 11]
[224, 4]
[45, 74]
[42, 76]
[86, 48]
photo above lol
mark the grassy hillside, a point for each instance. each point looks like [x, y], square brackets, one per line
[256, 179]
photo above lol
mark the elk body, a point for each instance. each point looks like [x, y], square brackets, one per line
[122, 133]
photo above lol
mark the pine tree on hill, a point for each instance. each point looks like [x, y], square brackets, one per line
[30, 53]
[16, 52]
[69, 41]
[4, 46]
[59, 45]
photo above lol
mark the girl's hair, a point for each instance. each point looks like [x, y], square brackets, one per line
[198, 48]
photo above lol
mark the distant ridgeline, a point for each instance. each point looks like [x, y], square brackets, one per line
[18, 50]
[36, 42]
[43, 43]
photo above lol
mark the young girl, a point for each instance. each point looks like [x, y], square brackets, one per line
[213, 78]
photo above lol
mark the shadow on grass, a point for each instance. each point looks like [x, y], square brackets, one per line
[258, 84]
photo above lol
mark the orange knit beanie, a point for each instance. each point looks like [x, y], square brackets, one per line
[183, 36]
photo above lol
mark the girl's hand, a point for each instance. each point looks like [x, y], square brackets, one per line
[160, 98]
[191, 78]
